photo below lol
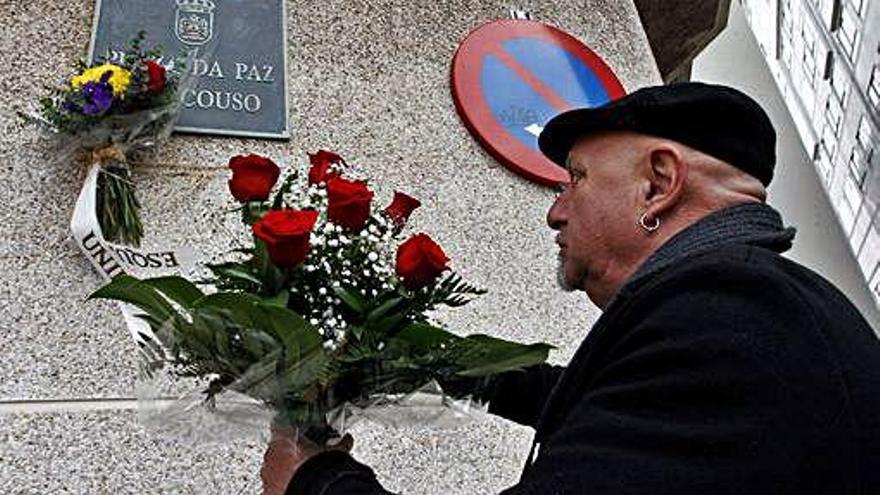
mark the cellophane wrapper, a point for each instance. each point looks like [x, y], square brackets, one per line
[199, 411]
[137, 134]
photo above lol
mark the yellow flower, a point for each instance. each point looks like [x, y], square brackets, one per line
[119, 80]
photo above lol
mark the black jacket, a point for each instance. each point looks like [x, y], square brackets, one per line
[733, 371]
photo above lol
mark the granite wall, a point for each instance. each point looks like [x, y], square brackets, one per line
[368, 79]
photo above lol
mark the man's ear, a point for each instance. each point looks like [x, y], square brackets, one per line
[665, 176]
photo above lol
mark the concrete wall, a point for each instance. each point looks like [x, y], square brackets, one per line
[368, 80]
[734, 58]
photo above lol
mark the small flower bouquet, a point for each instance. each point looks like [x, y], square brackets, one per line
[328, 307]
[110, 112]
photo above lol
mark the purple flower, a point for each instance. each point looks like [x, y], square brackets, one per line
[71, 107]
[99, 97]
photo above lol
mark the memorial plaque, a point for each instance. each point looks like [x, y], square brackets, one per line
[240, 61]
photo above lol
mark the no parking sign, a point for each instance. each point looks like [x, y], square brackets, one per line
[509, 77]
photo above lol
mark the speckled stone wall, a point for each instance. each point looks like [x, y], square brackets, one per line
[368, 79]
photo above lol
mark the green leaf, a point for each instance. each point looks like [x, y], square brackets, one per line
[298, 336]
[384, 308]
[271, 278]
[131, 290]
[304, 373]
[303, 349]
[386, 326]
[481, 355]
[423, 338]
[356, 330]
[178, 289]
[233, 301]
[352, 298]
[278, 300]
[236, 271]
[222, 342]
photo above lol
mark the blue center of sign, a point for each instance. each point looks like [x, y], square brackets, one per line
[517, 105]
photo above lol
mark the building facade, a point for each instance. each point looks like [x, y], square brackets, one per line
[368, 80]
[825, 58]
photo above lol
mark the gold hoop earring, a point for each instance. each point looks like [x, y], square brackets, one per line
[643, 222]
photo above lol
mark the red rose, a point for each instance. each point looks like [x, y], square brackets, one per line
[401, 207]
[321, 161]
[252, 177]
[348, 203]
[286, 234]
[420, 261]
[156, 75]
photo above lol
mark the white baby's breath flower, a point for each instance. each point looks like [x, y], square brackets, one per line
[373, 256]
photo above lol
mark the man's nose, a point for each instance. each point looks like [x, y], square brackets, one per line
[556, 213]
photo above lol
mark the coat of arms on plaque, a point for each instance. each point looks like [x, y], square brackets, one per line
[194, 21]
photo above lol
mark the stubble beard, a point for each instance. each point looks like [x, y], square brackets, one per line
[561, 280]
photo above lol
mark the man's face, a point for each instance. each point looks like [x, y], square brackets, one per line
[596, 214]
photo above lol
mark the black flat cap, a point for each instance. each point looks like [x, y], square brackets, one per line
[717, 120]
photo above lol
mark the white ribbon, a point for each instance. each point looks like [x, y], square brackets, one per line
[111, 259]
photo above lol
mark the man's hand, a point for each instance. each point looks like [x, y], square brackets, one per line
[287, 451]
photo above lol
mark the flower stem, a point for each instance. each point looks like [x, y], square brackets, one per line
[118, 207]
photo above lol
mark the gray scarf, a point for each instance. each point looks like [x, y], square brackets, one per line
[755, 224]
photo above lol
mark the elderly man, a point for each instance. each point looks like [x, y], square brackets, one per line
[717, 366]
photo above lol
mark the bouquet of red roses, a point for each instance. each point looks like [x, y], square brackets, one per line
[326, 308]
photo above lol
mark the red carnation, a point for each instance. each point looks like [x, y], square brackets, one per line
[321, 161]
[401, 207]
[286, 234]
[348, 203]
[156, 75]
[252, 177]
[420, 261]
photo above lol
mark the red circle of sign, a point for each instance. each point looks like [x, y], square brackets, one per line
[478, 117]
